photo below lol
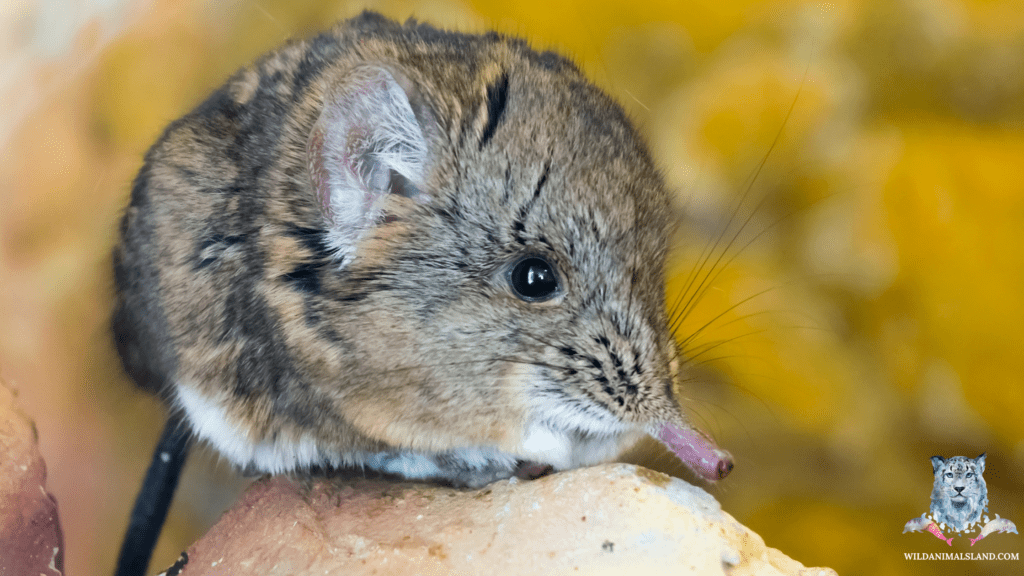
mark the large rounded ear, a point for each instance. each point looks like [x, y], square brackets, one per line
[368, 143]
[937, 462]
[980, 463]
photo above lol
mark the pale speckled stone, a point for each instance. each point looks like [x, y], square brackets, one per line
[611, 519]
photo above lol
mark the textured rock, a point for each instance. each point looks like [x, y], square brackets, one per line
[611, 519]
[31, 542]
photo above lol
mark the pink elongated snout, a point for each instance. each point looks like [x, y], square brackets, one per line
[697, 451]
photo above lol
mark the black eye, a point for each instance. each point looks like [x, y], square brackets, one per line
[533, 279]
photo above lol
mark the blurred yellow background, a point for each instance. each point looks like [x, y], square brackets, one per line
[877, 277]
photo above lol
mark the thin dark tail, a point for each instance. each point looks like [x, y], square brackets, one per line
[153, 500]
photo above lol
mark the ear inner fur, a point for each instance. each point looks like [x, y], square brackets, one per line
[367, 139]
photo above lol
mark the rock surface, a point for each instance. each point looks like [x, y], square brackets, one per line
[31, 541]
[612, 519]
